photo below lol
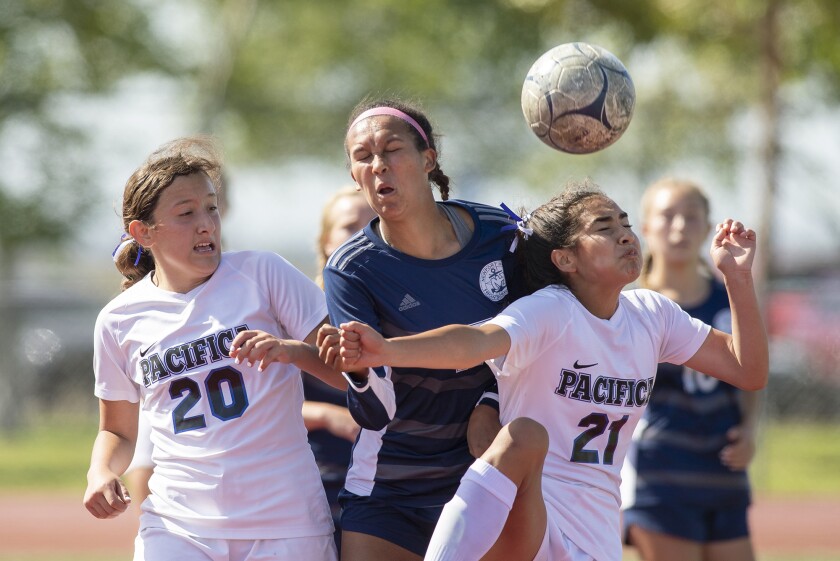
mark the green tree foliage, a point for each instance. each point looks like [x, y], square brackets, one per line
[302, 65]
[276, 79]
[49, 50]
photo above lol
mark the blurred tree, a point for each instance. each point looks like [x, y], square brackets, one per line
[49, 50]
[289, 80]
[275, 81]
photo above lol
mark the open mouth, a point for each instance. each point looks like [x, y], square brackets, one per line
[384, 190]
[206, 247]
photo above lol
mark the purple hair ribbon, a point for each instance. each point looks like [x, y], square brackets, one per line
[125, 240]
[521, 225]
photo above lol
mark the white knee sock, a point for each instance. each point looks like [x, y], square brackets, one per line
[473, 520]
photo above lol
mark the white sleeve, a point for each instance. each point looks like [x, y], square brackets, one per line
[298, 303]
[533, 324]
[109, 366]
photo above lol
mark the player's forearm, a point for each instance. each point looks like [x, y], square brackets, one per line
[453, 347]
[111, 453]
[749, 338]
[307, 359]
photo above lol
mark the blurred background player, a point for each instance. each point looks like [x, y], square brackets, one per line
[191, 335]
[418, 265]
[685, 488]
[330, 425]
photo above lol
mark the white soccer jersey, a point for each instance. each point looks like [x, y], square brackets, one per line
[587, 380]
[231, 456]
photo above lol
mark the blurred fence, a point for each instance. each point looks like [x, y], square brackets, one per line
[47, 345]
[46, 338]
[803, 321]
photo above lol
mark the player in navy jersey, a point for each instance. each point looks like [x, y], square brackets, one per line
[420, 264]
[575, 362]
[684, 487]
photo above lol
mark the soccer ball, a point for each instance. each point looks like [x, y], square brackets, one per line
[578, 98]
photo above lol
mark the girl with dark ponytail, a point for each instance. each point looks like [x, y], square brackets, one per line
[419, 264]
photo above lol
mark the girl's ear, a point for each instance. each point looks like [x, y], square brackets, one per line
[564, 260]
[140, 232]
[431, 159]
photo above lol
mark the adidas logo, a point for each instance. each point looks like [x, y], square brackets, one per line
[408, 302]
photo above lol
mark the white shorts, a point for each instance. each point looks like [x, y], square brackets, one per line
[556, 546]
[159, 544]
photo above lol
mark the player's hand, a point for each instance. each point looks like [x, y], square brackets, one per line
[361, 346]
[328, 341]
[740, 451]
[106, 496]
[254, 346]
[733, 247]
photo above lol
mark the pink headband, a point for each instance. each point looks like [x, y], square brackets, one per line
[393, 113]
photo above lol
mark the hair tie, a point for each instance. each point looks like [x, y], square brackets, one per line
[521, 225]
[125, 241]
[390, 111]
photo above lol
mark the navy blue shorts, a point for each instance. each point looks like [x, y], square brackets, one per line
[407, 527]
[698, 524]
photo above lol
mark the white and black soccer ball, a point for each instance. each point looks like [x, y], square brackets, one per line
[578, 98]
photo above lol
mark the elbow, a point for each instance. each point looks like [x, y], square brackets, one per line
[755, 378]
[754, 385]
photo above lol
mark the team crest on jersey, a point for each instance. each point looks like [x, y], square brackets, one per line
[492, 281]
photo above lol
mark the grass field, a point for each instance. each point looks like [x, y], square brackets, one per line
[794, 459]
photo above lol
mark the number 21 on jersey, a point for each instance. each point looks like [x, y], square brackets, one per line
[598, 424]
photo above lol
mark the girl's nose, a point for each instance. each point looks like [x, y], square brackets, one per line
[379, 163]
[629, 236]
[207, 222]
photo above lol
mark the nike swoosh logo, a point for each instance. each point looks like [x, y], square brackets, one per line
[577, 366]
[143, 352]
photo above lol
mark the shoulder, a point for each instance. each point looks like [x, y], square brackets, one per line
[137, 300]
[139, 292]
[352, 249]
[648, 300]
[482, 213]
[554, 300]
[247, 262]
[238, 258]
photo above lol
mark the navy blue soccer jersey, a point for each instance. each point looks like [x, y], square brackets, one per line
[676, 452]
[413, 449]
